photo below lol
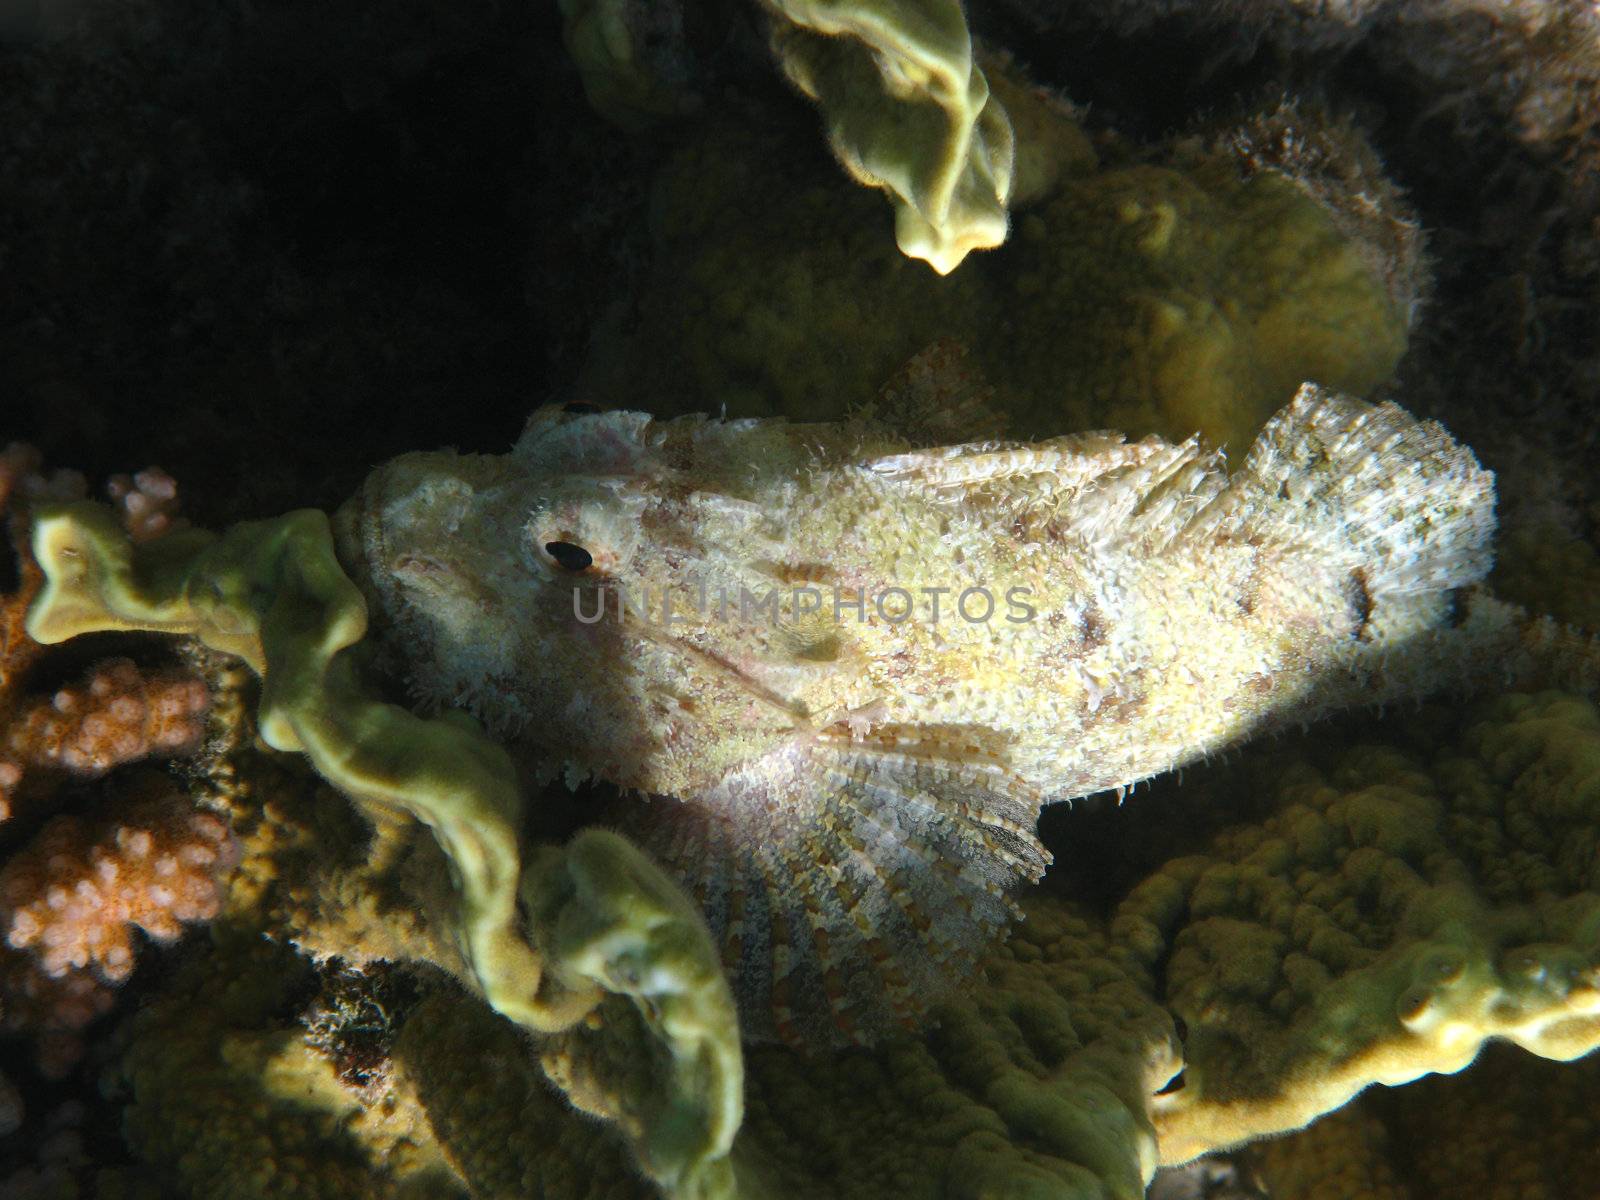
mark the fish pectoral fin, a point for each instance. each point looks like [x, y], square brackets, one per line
[852, 881]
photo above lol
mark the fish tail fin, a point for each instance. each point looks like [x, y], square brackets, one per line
[1369, 484]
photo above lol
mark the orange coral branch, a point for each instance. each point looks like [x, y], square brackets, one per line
[116, 715]
[74, 896]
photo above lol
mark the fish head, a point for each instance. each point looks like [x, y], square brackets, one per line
[585, 598]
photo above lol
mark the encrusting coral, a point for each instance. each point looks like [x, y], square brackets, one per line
[1382, 924]
[215, 1065]
[1512, 1128]
[1340, 1156]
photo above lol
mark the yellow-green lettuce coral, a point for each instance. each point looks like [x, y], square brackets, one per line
[909, 111]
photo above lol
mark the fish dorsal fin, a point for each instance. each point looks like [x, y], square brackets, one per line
[851, 878]
[1065, 462]
[1095, 487]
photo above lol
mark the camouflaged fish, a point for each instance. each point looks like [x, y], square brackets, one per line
[843, 673]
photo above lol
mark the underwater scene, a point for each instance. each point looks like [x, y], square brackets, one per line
[799, 600]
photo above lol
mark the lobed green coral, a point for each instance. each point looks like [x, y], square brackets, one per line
[909, 111]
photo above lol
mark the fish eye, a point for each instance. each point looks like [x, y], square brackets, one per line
[569, 556]
[579, 406]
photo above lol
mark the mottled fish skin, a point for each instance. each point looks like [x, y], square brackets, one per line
[851, 799]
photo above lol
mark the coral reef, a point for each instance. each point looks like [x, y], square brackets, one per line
[1359, 933]
[1061, 1070]
[73, 892]
[272, 246]
[851, 838]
